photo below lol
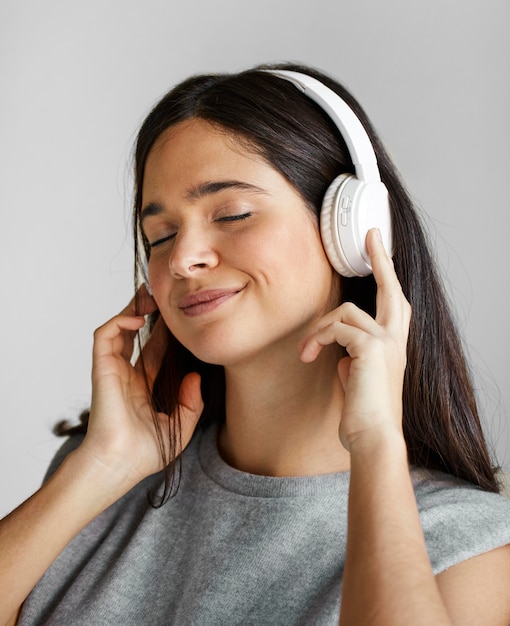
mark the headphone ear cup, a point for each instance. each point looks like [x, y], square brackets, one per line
[349, 210]
[329, 228]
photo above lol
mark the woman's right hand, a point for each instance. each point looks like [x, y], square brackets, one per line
[121, 434]
[120, 449]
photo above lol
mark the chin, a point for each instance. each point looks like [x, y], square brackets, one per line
[223, 356]
[214, 351]
[227, 353]
[233, 345]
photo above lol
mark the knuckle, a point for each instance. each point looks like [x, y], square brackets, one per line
[347, 309]
[102, 330]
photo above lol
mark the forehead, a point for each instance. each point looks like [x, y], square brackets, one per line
[195, 151]
[198, 135]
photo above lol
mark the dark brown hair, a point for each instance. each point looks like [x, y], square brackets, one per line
[270, 116]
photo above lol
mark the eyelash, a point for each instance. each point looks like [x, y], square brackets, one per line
[228, 218]
[161, 241]
[234, 218]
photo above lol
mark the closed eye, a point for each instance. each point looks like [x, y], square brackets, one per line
[159, 242]
[234, 218]
[226, 218]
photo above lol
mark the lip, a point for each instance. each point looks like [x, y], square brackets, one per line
[200, 302]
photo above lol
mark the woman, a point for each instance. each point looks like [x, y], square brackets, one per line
[299, 400]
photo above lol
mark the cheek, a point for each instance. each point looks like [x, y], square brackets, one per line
[302, 251]
[313, 271]
[295, 260]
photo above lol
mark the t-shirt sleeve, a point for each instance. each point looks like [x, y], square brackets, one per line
[459, 520]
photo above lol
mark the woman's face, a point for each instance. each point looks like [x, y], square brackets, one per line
[237, 267]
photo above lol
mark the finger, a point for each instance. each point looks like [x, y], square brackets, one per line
[190, 399]
[382, 264]
[391, 306]
[119, 331]
[336, 332]
[348, 314]
[190, 394]
[344, 368]
[115, 338]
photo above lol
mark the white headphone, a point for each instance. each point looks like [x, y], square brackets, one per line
[353, 204]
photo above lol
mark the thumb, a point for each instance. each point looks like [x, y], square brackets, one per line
[344, 368]
[191, 404]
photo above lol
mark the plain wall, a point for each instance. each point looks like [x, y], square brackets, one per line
[78, 78]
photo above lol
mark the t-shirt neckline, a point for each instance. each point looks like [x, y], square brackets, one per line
[255, 485]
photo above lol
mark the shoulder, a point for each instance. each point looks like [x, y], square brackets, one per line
[459, 520]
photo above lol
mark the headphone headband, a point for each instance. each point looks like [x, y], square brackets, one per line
[352, 130]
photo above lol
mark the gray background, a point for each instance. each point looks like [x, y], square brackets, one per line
[77, 79]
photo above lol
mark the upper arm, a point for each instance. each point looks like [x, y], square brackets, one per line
[477, 591]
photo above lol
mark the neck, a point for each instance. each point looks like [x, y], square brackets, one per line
[282, 419]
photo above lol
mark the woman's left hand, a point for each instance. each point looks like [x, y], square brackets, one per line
[373, 372]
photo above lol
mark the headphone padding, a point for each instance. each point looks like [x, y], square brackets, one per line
[329, 228]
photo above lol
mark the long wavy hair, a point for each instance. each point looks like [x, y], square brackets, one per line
[271, 117]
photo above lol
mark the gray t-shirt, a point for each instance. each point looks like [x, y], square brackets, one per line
[234, 548]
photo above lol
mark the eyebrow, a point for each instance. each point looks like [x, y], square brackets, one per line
[196, 192]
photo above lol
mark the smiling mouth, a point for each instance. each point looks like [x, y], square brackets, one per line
[204, 301]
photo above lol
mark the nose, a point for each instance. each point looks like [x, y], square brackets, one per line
[192, 252]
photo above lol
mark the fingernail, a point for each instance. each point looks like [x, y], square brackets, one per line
[378, 234]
